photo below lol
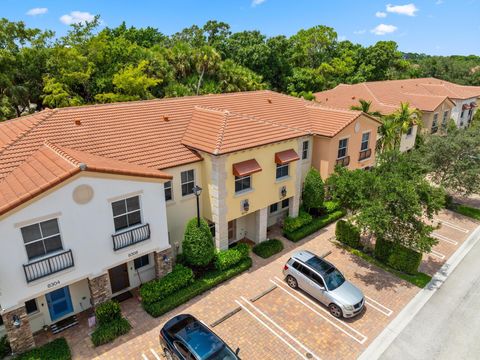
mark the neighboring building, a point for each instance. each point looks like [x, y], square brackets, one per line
[438, 100]
[94, 198]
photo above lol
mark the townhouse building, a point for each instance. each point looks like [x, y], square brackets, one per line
[94, 199]
[438, 100]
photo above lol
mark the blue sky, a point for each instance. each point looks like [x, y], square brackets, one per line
[442, 27]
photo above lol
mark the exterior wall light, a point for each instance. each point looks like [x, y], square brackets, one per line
[283, 191]
[197, 190]
[245, 205]
[16, 321]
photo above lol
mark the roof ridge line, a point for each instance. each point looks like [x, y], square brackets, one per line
[62, 153]
[221, 133]
[48, 113]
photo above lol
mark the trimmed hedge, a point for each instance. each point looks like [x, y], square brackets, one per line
[243, 248]
[107, 312]
[198, 246]
[469, 211]
[108, 332]
[397, 256]
[315, 225]
[226, 259]
[348, 234]
[268, 248]
[291, 224]
[208, 281]
[331, 206]
[4, 347]
[157, 290]
[57, 349]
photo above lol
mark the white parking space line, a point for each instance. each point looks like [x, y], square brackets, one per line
[437, 254]
[144, 357]
[312, 354]
[358, 337]
[444, 238]
[377, 306]
[453, 226]
[271, 330]
[155, 354]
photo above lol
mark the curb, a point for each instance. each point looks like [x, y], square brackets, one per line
[388, 335]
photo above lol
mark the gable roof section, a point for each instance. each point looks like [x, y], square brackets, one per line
[219, 131]
[50, 165]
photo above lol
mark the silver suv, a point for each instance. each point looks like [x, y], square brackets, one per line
[325, 283]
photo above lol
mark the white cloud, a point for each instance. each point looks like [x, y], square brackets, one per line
[257, 2]
[360, 32]
[381, 14]
[384, 29]
[37, 11]
[407, 9]
[76, 17]
[439, 2]
[342, 38]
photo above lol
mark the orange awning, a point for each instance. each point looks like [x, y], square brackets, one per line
[466, 107]
[285, 157]
[247, 167]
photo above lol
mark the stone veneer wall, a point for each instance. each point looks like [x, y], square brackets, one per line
[163, 267]
[21, 338]
[218, 195]
[100, 289]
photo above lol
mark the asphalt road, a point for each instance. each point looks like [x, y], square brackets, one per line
[448, 326]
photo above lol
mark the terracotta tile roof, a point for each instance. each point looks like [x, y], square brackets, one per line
[163, 133]
[218, 131]
[50, 165]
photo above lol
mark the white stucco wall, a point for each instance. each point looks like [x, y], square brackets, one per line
[407, 142]
[457, 110]
[85, 229]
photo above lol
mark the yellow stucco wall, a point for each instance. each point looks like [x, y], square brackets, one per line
[325, 149]
[265, 187]
[428, 116]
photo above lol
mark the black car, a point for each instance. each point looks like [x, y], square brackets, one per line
[186, 338]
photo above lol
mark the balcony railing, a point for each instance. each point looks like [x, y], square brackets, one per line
[131, 237]
[343, 161]
[50, 265]
[365, 154]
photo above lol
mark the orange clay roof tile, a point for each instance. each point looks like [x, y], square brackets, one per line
[153, 134]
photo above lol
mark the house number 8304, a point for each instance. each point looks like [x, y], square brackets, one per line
[53, 284]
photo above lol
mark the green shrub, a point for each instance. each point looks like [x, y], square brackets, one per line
[313, 190]
[180, 259]
[315, 225]
[208, 281]
[226, 259]
[348, 234]
[331, 206]
[268, 248]
[472, 212]
[107, 312]
[106, 333]
[383, 249]
[405, 259]
[57, 349]
[398, 256]
[291, 224]
[243, 248]
[156, 290]
[198, 247]
[4, 347]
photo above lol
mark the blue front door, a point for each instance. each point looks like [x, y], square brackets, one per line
[59, 303]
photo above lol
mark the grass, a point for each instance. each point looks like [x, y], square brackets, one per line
[419, 279]
[469, 211]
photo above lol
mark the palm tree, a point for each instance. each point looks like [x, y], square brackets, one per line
[364, 106]
[397, 124]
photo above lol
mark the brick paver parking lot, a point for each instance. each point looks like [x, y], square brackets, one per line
[285, 323]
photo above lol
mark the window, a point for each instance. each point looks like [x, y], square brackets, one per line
[168, 190]
[434, 123]
[445, 119]
[273, 208]
[282, 170]
[470, 112]
[462, 113]
[42, 238]
[410, 131]
[305, 150]
[31, 306]
[243, 183]
[303, 269]
[1, 320]
[141, 262]
[365, 140]
[188, 181]
[126, 213]
[342, 148]
[285, 203]
[318, 279]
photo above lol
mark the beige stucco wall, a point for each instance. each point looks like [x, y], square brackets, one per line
[428, 116]
[325, 149]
